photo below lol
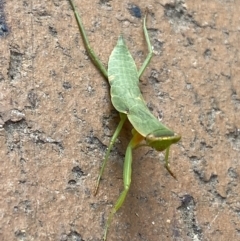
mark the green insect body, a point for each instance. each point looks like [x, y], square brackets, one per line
[125, 93]
[127, 99]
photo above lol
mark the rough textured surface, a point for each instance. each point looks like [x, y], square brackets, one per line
[56, 121]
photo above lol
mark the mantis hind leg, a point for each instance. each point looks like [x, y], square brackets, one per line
[90, 51]
[127, 173]
[150, 48]
[123, 117]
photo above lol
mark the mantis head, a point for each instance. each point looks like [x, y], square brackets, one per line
[161, 140]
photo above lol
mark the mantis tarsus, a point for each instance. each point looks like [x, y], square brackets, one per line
[127, 99]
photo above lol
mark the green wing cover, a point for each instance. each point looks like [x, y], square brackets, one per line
[125, 92]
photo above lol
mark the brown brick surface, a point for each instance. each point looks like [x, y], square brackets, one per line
[57, 119]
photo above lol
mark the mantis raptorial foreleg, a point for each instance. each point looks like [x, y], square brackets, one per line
[167, 163]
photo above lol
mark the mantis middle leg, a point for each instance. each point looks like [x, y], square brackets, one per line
[127, 173]
[123, 118]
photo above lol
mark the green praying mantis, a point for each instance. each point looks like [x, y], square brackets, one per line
[127, 99]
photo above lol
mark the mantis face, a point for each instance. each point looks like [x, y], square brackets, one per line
[161, 140]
